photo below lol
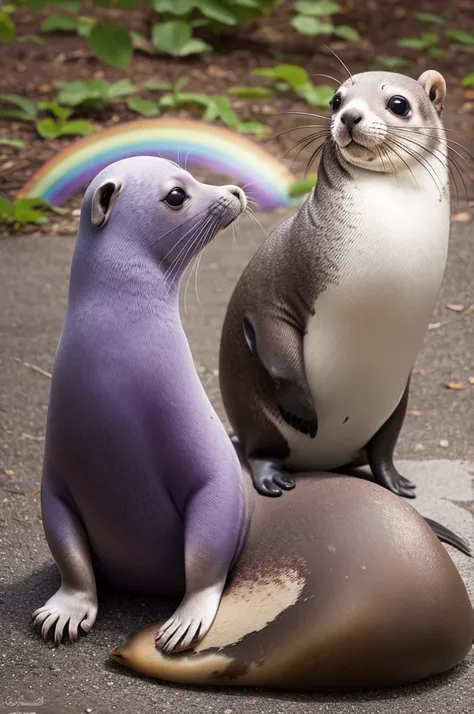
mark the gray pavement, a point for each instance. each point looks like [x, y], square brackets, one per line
[36, 677]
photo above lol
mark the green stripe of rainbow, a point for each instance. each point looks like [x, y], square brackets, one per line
[200, 144]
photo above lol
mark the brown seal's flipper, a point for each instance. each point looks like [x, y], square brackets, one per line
[447, 536]
[380, 452]
[360, 594]
[74, 605]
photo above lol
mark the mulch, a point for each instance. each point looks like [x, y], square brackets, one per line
[31, 70]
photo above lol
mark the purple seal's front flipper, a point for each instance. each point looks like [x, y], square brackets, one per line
[75, 603]
[213, 521]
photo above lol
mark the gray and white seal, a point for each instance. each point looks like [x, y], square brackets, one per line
[140, 487]
[325, 324]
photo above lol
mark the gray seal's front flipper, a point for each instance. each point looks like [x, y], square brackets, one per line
[285, 366]
[75, 603]
[380, 452]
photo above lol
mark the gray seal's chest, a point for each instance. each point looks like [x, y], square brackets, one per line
[369, 323]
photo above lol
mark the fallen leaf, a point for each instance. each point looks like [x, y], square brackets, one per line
[455, 307]
[469, 94]
[399, 12]
[455, 385]
[463, 217]
[414, 412]
[471, 380]
[35, 492]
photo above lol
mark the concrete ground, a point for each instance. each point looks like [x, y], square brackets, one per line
[437, 449]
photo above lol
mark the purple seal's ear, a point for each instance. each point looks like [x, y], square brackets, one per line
[103, 201]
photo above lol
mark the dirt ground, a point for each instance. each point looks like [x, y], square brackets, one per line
[31, 70]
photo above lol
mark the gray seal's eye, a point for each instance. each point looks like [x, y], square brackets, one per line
[399, 106]
[176, 198]
[335, 102]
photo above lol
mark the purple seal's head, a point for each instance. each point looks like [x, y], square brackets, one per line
[147, 205]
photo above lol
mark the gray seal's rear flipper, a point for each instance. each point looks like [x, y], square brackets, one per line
[75, 603]
[285, 365]
[380, 452]
[292, 396]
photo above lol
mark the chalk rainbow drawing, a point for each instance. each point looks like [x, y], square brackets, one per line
[192, 142]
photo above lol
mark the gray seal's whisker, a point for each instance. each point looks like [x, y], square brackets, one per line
[340, 61]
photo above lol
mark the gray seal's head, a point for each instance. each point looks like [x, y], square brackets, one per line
[383, 121]
[147, 212]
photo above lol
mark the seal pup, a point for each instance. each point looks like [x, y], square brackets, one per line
[140, 487]
[325, 323]
[358, 594]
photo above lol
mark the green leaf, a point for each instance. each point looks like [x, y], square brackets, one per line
[48, 128]
[251, 127]
[292, 74]
[226, 113]
[35, 5]
[145, 107]
[61, 23]
[317, 8]
[436, 52]
[430, 17]
[171, 37]
[419, 43]
[122, 88]
[175, 7]
[301, 188]
[156, 86]
[28, 108]
[317, 96]
[6, 208]
[393, 62]
[194, 46]
[77, 127]
[7, 28]
[216, 11]
[70, 5]
[468, 80]
[251, 92]
[85, 26]
[14, 143]
[25, 211]
[112, 44]
[311, 25]
[464, 38]
[347, 33]
[75, 93]
[34, 39]
[56, 109]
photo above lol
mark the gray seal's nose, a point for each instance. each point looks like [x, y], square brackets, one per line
[350, 118]
[239, 194]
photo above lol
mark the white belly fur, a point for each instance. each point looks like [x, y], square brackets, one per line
[369, 328]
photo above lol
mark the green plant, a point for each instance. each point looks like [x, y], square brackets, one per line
[468, 80]
[308, 20]
[393, 62]
[302, 187]
[13, 143]
[430, 17]
[460, 36]
[145, 107]
[7, 25]
[428, 42]
[47, 127]
[59, 124]
[24, 211]
[251, 92]
[92, 93]
[292, 77]
[24, 109]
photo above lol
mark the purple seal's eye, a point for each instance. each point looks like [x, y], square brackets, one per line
[175, 198]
